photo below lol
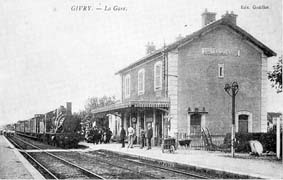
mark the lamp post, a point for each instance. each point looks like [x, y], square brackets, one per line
[232, 89]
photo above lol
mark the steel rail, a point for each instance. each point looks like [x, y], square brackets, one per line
[65, 161]
[151, 176]
[122, 167]
[79, 167]
[30, 144]
[165, 168]
[105, 161]
[27, 143]
[172, 170]
[34, 160]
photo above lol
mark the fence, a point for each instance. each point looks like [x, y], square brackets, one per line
[197, 141]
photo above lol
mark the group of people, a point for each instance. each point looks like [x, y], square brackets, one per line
[145, 135]
[98, 135]
[103, 135]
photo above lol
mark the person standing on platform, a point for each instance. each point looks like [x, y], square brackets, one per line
[108, 135]
[95, 135]
[149, 136]
[142, 138]
[99, 137]
[104, 139]
[131, 133]
[122, 137]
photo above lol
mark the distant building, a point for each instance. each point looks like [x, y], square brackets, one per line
[179, 89]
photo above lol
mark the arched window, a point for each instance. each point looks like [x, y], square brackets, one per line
[158, 76]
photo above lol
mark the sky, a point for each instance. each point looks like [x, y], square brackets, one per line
[51, 54]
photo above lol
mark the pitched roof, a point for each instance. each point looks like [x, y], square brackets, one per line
[267, 51]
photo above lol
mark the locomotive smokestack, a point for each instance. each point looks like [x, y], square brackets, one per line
[69, 108]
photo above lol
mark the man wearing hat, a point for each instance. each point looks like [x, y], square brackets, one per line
[149, 136]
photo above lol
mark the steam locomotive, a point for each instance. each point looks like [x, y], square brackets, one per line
[58, 127]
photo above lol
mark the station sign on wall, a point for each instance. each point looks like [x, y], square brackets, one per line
[220, 52]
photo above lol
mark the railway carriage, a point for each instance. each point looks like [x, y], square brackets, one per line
[20, 126]
[27, 126]
[17, 126]
[32, 126]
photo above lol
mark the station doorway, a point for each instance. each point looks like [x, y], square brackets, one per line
[195, 126]
[159, 128]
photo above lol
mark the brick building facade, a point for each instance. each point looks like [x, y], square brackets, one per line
[180, 88]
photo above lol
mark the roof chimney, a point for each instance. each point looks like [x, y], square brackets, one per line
[150, 47]
[230, 17]
[207, 17]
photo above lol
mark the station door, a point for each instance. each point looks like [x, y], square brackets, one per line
[195, 126]
[243, 123]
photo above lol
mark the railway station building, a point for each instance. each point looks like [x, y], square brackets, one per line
[179, 89]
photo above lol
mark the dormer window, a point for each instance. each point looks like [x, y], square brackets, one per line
[141, 82]
[127, 86]
[158, 76]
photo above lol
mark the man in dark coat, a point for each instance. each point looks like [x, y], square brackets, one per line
[149, 136]
[99, 136]
[91, 135]
[122, 137]
[142, 138]
[108, 135]
[95, 135]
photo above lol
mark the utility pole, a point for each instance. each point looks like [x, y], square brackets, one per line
[278, 137]
[232, 89]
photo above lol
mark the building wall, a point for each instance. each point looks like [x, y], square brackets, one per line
[173, 90]
[264, 84]
[199, 85]
[149, 93]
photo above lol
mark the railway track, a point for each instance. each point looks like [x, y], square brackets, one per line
[106, 165]
[169, 172]
[30, 144]
[126, 169]
[43, 170]
[21, 144]
[42, 160]
[59, 168]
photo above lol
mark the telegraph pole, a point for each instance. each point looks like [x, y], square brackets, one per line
[232, 89]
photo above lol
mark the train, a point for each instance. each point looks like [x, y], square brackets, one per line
[57, 127]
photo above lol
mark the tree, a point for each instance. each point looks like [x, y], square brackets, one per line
[80, 115]
[275, 76]
[76, 121]
[93, 103]
[96, 102]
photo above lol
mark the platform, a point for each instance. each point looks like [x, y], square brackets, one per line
[13, 165]
[204, 159]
